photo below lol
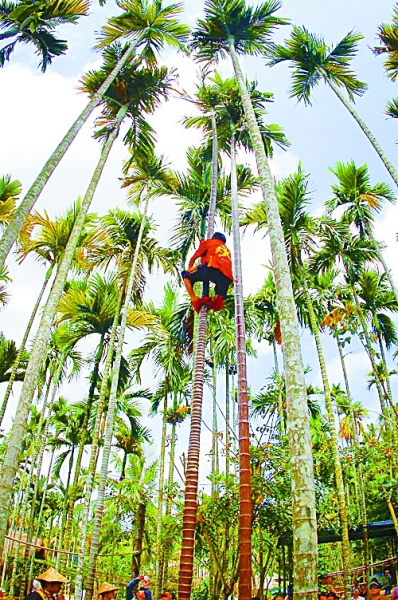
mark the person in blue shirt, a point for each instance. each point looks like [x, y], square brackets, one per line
[144, 593]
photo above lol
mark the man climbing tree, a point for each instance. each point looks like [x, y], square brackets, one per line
[215, 266]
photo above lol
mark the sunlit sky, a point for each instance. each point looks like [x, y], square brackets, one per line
[37, 110]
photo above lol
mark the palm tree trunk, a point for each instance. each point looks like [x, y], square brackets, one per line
[11, 459]
[214, 445]
[138, 538]
[192, 465]
[371, 353]
[389, 390]
[111, 411]
[245, 502]
[23, 344]
[338, 472]
[19, 217]
[160, 504]
[169, 502]
[388, 165]
[67, 530]
[94, 453]
[305, 543]
[385, 267]
[227, 419]
[358, 465]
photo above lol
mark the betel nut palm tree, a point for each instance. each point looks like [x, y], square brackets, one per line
[34, 22]
[361, 202]
[147, 99]
[150, 26]
[232, 28]
[312, 61]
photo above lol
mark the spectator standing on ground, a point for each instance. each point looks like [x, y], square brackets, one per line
[51, 583]
[143, 593]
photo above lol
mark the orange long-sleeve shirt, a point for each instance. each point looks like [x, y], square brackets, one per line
[216, 254]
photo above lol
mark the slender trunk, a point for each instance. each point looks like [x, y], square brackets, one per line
[371, 353]
[338, 472]
[385, 267]
[388, 165]
[169, 503]
[305, 543]
[392, 512]
[227, 419]
[111, 411]
[192, 465]
[93, 454]
[23, 344]
[160, 504]
[37, 533]
[19, 217]
[214, 445]
[389, 390]
[245, 503]
[11, 459]
[138, 538]
[66, 532]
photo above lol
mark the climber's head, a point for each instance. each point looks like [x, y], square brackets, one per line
[219, 236]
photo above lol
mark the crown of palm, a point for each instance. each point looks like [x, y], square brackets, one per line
[151, 23]
[355, 192]
[31, 21]
[249, 27]
[388, 35]
[313, 61]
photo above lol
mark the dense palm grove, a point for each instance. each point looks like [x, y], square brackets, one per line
[87, 484]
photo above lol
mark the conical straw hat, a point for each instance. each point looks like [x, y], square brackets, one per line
[106, 587]
[52, 575]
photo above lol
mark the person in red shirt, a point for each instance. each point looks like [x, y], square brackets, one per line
[215, 266]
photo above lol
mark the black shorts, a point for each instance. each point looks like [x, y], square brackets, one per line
[206, 274]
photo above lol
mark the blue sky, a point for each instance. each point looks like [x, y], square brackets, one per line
[38, 109]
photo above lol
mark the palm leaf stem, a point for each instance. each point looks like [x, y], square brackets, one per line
[192, 470]
[245, 502]
[305, 545]
[11, 459]
[24, 208]
[388, 165]
[23, 344]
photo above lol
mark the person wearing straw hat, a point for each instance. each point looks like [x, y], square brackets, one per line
[51, 582]
[107, 591]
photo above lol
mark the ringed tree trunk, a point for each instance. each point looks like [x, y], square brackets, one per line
[11, 459]
[111, 411]
[358, 466]
[338, 472]
[169, 502]
[245, 501]
[94, 454]
[160, 503]
[140, 518]
[305, 543]
[371, 353]
[66, 531]
[23, 344]
[19, 217]
[214, 429]
[192, 465]
[388, 165]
